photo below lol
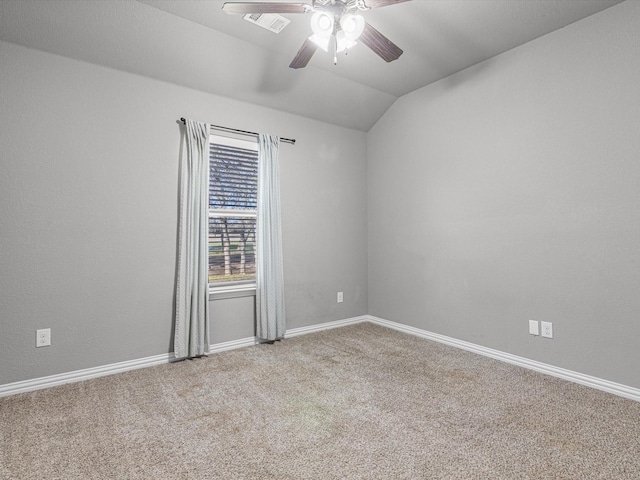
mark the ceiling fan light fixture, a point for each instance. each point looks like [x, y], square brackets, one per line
[321, 42]
[352, 25]
[343, 43]
[322, 24]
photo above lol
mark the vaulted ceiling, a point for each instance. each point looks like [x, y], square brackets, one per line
[195, 44]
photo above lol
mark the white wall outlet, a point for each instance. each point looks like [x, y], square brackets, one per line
[534, 328]
[43, 337]
[547, 329]
[340, 297]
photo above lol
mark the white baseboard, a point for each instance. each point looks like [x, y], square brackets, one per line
[103, 370]
[576, 377]
[232, 345]
[294, 332]
[86, 374]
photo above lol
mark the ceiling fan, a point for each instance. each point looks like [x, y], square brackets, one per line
[336, 20]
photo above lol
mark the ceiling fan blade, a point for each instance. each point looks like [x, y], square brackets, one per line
[380, 44]
[382, 3]
[303, 56]
[244, 8]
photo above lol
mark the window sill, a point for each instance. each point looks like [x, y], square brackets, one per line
[232, 291]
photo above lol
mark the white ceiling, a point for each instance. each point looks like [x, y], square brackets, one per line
[195, 44]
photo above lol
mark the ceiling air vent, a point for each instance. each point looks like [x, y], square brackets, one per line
[270, 21]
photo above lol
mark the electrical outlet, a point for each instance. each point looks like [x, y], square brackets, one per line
[43, 337]
[534, 328]
[547, 329]
[340, 297]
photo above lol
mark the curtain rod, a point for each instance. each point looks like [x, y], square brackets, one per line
[292, 141]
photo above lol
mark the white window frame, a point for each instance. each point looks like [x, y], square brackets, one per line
[222, 290]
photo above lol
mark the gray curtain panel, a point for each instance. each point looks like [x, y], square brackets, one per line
[192, 289]
[270, 322]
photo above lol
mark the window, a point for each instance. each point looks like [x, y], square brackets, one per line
[233, 194]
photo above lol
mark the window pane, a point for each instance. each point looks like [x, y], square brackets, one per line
[232, 242]
[233, 177]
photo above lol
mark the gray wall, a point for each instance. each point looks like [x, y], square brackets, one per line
[511, 191]
[88, 214]
[506, 192]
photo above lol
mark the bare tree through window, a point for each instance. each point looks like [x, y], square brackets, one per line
[233, 191]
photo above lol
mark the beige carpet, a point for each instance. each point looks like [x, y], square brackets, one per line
[357, 402]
